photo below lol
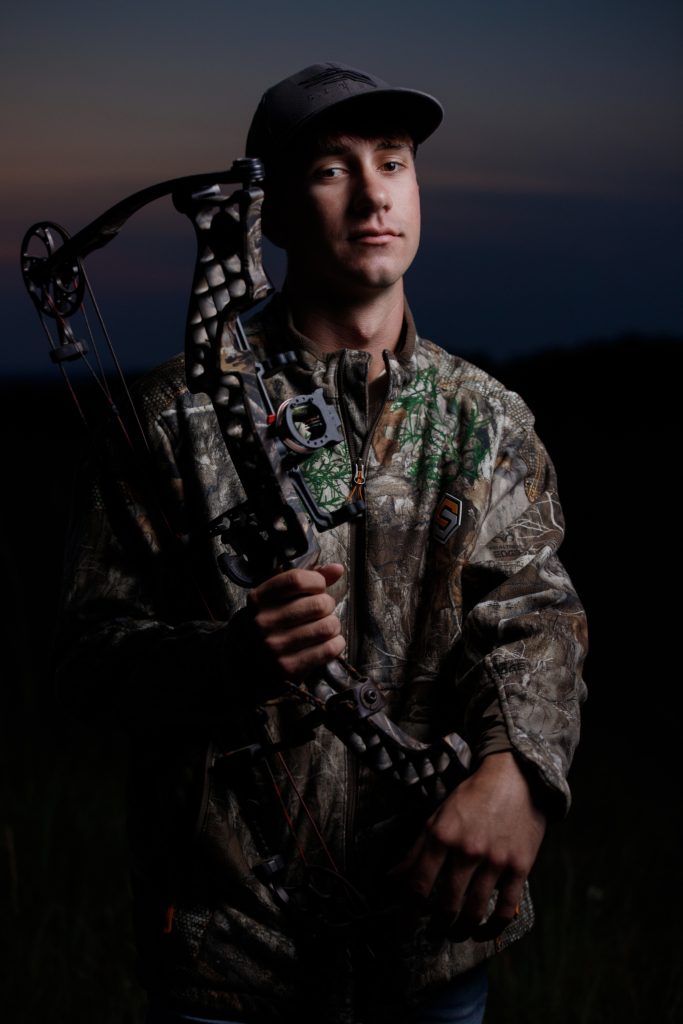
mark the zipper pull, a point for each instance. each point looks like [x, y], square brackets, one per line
[357, 492]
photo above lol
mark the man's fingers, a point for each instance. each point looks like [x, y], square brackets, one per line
[294, 583]
[418, 871]
[465, 915]
[471, 906]
[309, 633]
[456, 888]
[505, 910]
[473, 921]
[294, 613]
[450, 894]
[294, 610]
[298, 664]
[331, 573]
[285, 586]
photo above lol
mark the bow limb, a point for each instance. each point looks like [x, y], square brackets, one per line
[60, 263]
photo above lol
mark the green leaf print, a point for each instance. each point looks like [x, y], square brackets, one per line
[439, 431]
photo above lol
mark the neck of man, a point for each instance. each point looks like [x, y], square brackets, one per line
[370, 323]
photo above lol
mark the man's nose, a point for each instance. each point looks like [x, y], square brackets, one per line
[371, 193]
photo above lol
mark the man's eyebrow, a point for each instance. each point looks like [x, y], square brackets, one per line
[394, 144]
[332, 149]
[337, 148]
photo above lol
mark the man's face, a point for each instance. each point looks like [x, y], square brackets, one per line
[351, 223]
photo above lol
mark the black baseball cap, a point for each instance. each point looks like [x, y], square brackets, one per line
[295, 103]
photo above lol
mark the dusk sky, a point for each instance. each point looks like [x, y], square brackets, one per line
[552, 193]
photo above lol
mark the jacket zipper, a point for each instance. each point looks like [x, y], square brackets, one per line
[357, 559]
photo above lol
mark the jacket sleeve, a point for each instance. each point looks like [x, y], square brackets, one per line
[524, 630]
[137, 643]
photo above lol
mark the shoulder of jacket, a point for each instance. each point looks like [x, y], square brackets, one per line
[458, 377]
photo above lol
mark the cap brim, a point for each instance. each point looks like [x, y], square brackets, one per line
[418, 112]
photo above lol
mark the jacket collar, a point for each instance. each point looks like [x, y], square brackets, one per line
[276, 332]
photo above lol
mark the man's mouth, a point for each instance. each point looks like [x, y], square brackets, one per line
[373, 236]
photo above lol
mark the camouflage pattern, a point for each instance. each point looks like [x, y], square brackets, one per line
[453, 598]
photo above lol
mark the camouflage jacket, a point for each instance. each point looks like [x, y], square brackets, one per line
[453, 598]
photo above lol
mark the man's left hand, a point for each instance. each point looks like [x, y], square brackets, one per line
[484, 836]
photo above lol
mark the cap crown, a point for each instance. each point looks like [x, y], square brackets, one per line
[294, 103]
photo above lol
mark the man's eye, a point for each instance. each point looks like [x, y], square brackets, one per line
[392, 165]
[329, 172]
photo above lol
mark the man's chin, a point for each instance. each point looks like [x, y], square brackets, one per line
[370, 286]
[376, 277]
[361, 279]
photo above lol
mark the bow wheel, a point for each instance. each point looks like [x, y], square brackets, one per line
[58, 292]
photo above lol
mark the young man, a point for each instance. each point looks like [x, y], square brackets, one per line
[447, 592]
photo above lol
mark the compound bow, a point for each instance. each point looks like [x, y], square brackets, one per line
[274, 528]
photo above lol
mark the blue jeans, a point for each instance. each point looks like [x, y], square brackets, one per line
[462, 1002]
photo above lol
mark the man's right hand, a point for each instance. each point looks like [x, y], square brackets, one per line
[295, 617]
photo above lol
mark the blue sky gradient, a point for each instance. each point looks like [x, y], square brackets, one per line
[552, 192]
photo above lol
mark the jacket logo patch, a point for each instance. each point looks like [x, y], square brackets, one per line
[447, 517]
